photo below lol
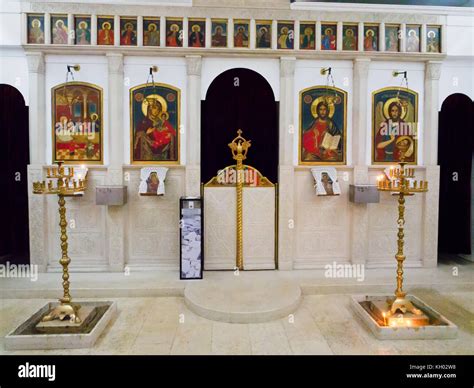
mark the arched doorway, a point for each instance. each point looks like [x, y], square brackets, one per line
[455, 156]
[239, 98]
[14, 159]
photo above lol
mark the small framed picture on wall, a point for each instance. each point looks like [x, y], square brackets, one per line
[241, 33]
[151, 32]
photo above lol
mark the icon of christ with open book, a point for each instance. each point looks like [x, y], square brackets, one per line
[322, 140]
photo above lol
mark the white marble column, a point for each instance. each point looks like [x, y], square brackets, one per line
[140, 31]
[360, 37]
[115, 214]
[208, 35]
[286, 222]
[403, 29]
[115, 99]
[185, 32]
[382, 37]
[252, 33]
[430, 113]
[360, 218]
[94, 30]
[339, 36]
[423, 38]
[360, 100]
[116, 30]
[24, 28]
[318, 36]
[37, 107]
[296, 34]
[71, 29]
[47, 28]
[430, 157]
[287, 133]
[274, 44]
[37, 203]
[193, 127]
[230, 33]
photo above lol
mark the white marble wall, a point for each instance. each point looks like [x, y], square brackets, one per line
[322, 232]
[382, 228]
[152, 226]
[324, 225]
[324, 229]
[313, 231]
[86, 229]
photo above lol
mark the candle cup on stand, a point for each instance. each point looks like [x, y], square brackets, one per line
[401, 188]
[62, 188]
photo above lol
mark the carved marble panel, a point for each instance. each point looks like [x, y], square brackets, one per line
[323, 224]
[37, 220]
[86, 228]
[219, 227]
[152, 234]
[259, 227]
[383, 229]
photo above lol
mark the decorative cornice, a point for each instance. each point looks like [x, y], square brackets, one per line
[233, 53]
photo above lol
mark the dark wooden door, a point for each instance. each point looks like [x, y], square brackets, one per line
[239, 98]
[14, 159]
[455, 147]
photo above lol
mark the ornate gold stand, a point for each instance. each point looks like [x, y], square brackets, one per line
[399, 184]
[239, 147]
[65, 186]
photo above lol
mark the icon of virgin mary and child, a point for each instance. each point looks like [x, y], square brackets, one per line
[155, 137]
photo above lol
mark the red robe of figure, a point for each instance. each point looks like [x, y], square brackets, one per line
[313, 138]
[162, 137]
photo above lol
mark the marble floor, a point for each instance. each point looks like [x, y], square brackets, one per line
[323, 324]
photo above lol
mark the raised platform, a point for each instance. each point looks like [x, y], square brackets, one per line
[243, 300]
[438, 326]
[30, 334]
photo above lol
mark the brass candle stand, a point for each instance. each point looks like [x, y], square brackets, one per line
[401, 184]
[66, 185]
[239, 147]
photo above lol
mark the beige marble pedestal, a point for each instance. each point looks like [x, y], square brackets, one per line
[242, 300]
[27, 336]
[438, 328]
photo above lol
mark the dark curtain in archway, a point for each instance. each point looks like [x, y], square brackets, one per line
[239, 98]
[14, 159]
[455, 147]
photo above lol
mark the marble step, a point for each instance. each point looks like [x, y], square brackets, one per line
[242, 300]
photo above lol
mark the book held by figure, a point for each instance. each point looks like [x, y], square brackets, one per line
[330, 142]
